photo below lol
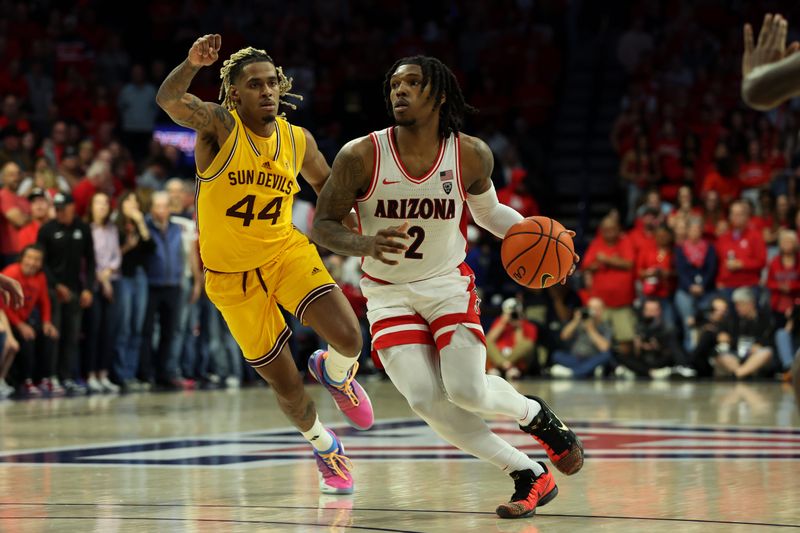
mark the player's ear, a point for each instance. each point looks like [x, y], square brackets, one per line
[234, 94]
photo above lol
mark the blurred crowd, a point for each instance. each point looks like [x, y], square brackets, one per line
[694, 273]
[97, 212]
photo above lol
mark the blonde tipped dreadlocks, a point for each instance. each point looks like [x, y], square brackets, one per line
[232, 67]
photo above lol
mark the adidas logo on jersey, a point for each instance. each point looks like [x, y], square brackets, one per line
[315, 270]
[266, 165]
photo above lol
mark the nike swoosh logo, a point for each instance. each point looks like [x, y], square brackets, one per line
[387, 182]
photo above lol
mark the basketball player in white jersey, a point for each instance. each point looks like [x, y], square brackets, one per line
[409, 184]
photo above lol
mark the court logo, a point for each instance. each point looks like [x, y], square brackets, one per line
[412, 440]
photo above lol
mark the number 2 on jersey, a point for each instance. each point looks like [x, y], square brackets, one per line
[270, 212]
[419, 235]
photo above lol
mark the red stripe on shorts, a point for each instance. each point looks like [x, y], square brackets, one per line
[403, 320]
[399, 338]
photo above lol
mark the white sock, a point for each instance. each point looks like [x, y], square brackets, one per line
[337, 365]
[319, 437]
[516, 460]
[533, 409]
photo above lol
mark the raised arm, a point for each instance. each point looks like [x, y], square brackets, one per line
[770, 70]
[187, 109]
[348, 179]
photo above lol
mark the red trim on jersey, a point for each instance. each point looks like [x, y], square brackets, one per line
[458, 169]
[396, 155]
[376, 168]
[376, 280]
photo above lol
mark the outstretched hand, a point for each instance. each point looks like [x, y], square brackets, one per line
[383, 243]
[771, 45]
[205, 50]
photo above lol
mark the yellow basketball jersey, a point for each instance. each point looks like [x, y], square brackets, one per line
[244, 198]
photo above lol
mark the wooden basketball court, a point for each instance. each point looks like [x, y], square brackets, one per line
[661, 456]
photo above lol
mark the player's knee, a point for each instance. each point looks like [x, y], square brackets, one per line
[421, 402]
[466, 395]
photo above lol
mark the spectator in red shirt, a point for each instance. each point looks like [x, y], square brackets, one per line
[34, 286]
[668, 151]
[713, 216]
[510, 342]
[41, 207]
[656, 268]
[637, 173]
[516, 195]
[723, 178]
[754, 172]
[608, 265]
[685, 209]
[14, 213]
[783, 277]
[742, 253]
[98, 179]
[642, 236]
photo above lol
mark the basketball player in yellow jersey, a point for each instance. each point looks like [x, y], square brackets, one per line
[248, 159]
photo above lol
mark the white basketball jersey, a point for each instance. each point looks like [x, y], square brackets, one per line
[432, 204]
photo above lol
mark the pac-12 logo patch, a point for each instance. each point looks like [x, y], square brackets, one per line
[446, 176]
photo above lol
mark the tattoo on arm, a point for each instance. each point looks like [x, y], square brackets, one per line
[195, 114]
[187, 109]
[176, 84]
[348, 178]
[224, 117]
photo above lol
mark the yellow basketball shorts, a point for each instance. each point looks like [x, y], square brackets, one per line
[249, 300]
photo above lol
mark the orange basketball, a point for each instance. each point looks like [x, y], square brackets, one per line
[537, 252]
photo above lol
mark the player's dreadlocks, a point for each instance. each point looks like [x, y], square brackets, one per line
[443, 82]
[232, 67]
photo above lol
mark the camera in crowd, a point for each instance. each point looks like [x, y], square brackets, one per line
[512, 308]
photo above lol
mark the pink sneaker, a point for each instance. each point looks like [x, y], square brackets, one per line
[335, 469]
[351, 399]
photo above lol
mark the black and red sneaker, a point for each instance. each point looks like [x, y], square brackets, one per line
[530, 492]
[563, 447]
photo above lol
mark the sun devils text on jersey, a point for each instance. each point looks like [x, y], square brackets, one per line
[244, 198]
